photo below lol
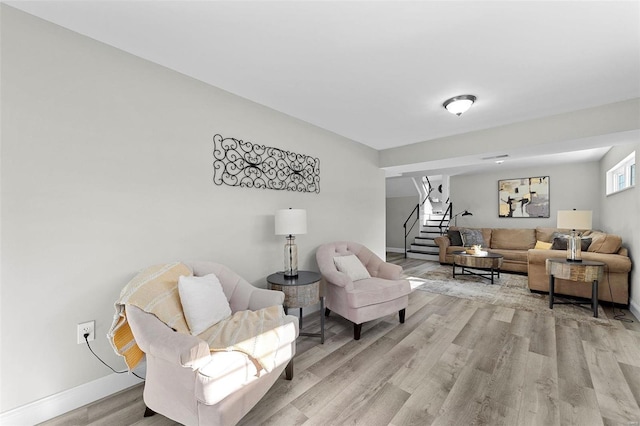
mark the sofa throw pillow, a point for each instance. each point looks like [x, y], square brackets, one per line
[542, 245]
[454, 237]
[351, 266]
[472, 237]
[561, 243]
[203, 302]
[605, 243]
[559, 235]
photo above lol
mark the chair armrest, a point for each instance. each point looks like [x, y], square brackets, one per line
[338, 278]
[389, 271]
[262, 298]
[157, 339]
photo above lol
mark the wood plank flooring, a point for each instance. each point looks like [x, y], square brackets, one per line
[453, 362]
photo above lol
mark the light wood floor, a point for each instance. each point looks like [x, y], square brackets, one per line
[453, 362]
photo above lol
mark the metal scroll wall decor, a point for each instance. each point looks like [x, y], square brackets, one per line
[249, 165]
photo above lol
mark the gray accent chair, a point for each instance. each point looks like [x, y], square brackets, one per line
[383, 294]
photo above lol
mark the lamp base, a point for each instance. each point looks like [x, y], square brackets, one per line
[290, 257]
[574, 252]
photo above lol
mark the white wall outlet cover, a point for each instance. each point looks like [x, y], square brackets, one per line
[84, 328]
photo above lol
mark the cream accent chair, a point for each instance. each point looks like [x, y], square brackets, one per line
[363, 300]
[186, 382]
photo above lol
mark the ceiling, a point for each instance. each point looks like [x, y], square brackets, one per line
[378, 72]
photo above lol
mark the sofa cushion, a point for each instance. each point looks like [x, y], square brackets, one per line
[455, 237]
[513, 239]
[547, 234]
[604, 243]
[203, 302]
[351, 266]
[512, 255]
[472, 237]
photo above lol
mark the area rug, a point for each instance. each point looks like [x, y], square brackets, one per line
[510, 291]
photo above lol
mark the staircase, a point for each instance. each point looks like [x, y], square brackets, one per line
[423, 246]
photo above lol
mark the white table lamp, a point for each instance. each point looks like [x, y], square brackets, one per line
[291, 222]
[574, 219]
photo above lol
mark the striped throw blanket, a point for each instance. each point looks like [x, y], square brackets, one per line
[155, 290]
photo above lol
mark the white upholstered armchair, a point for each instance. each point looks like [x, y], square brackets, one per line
[363, 288]
[192, 383]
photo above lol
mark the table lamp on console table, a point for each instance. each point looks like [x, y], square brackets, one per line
[574, 219]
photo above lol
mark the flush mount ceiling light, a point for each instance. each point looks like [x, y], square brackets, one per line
[459, 104]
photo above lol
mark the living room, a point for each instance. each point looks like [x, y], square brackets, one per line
[107, 168]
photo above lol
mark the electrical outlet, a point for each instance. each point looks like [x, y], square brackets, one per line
[86, 327]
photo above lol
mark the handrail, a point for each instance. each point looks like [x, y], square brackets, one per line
[450, 211]
[417, 210]
[426, 190]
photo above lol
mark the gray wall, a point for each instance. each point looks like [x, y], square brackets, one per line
[398, 209]
[619, 215]
[106, 166]
[571, 186]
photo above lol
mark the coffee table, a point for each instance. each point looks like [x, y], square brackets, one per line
[486, 266]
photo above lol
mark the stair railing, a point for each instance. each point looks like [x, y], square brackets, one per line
[442, 221]
[415, 210]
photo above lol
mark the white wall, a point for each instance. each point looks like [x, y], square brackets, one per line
[106, 164]
[571, 186]
[398, 210]
[619, 215]
[400, 187]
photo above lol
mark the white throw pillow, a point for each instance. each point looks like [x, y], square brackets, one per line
[351, 266]
[203, 302]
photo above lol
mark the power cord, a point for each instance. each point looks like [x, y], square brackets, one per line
[86, 339]
[620, 316]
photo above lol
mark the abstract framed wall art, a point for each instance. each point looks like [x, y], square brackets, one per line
[250, 165]
[524, 197]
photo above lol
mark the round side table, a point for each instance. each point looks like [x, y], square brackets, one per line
[587, 271]
[300, 291]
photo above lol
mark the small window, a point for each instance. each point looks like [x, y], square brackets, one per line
[622, 175]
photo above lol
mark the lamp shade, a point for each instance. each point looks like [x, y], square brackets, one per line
[574, 219]
[291, 222]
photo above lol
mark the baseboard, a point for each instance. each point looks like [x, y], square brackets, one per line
[634, 308]
[55, 405]
[395, 250]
